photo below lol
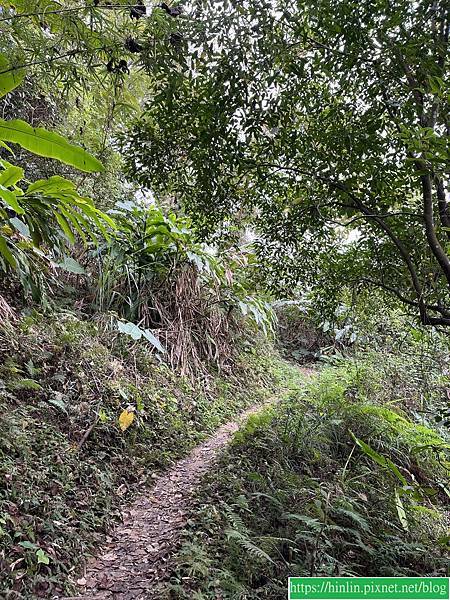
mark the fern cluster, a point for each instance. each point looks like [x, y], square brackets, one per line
[331, 484]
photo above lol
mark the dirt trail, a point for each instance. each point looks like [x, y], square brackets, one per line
[134, 560]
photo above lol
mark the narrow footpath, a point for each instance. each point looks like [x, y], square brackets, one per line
[135, 558]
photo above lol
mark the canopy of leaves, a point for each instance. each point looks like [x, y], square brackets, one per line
[309, 118]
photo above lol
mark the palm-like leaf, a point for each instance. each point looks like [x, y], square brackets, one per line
[48, 144]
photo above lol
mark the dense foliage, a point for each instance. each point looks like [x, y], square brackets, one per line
[347, 478]
[310, 119]
[187, 192]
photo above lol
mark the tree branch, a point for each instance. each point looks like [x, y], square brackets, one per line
[434, 307]
[430, 231]
[365, 210]
[67, 10]
[444, 214]
[43, 62]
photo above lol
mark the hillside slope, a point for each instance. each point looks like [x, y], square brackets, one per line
[66, 464]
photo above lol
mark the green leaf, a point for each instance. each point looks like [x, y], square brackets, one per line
[51, 185]
[381, 460]
[135, 332]
[42, 557]
[21, 227]
[76, 220]
[130, 329]
[102, 415]
[11, 79]
[154, 341]
[11, 176]
[6, 253]
[11, 199]
[46, 143]
[58, 403]
[72, 266]
[6, 147]
[65, 227]
[308, 521]
[28, 545]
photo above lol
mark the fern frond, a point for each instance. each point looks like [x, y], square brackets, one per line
[245, 542]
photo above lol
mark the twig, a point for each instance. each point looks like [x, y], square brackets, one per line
[87, 433]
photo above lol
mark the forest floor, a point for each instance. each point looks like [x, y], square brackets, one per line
[137, 553]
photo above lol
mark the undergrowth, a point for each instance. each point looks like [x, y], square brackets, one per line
[343, 480]
[65, 464]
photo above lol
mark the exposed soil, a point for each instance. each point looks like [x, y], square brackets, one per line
[134, 559]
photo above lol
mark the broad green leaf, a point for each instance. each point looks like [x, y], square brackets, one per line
[20, 226]
[11, 199]
[11, 176]
[154, 341]
[51, 185]
[46, 143]
[72, 266]
[135, 332]
[28, 545]
[130, 329]
[9, 80]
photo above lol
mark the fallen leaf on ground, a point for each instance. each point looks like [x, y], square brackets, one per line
[125, 419]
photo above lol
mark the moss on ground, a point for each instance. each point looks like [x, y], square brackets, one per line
[64, 377]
